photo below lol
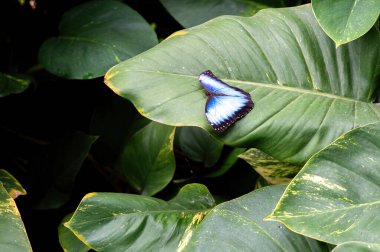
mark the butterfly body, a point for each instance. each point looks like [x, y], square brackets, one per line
[225, 104]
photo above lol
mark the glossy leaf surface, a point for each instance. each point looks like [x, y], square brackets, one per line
[93, 37]
[13, 237]
[147, 160]
[199, 145]
[111, 221]
[346, 20]
[357, 247]
[11, 185]
[194, 12]
[238, 225]
[306, 91]
[68, 240]
[336, 196]
[272, 170]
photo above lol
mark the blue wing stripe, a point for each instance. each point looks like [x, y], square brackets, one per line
[213, 85]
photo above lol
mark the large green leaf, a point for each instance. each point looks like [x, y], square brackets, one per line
[193, 12]
[346, 20]
[10, 183]
[13, 237]
[12, 84]
[336, 196]
[121, 222]
[199, 145]
[238, 225]
[93, 37]
[147, 160]
[306, 91]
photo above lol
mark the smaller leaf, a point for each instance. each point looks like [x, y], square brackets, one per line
[12, 84]
[93, 37]
[356, 246]
[238, 225]
[13, 237]
[194, 12]
[346, 20]
[68, 240]
[272, 170]
[10, 183]
[121, 222]
[193, 197]
[147, 160]
[198, 145]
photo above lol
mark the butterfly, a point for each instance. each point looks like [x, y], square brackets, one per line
[225, 104]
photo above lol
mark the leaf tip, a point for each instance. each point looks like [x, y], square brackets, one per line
[17, 192]
[89, 195]
[107, 81]
[269, 218]
[67, 224]
[177, 33]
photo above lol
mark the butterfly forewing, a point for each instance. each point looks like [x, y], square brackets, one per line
[225, 104]
[215, 86]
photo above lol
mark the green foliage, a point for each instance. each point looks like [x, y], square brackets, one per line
[10, 84]
[11, 185]
[147, 161]
[272, 170]
[346, 20]
[347, 195]
[313, 74]
[357, 247]
[13, 235]
[68, 240]
[190, 13]
[199, 145]
[109, 30]
[238, 225]
[109, 221]
[304, 99]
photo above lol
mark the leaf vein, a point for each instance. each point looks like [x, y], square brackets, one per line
[258, 46]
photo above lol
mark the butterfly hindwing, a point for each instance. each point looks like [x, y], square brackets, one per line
[225, 104]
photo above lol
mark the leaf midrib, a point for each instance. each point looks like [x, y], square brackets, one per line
[362, 205]
[152, 212]
[257, 84]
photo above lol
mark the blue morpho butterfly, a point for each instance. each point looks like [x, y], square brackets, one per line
[225, 104]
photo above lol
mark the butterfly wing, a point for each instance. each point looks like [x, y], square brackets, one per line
[225, 104]
[215, 86]
[223, 111]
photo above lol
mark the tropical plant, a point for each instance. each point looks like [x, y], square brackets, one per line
[300, 172]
